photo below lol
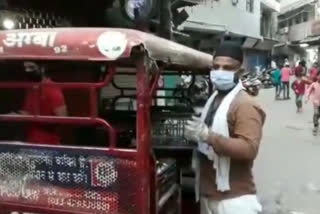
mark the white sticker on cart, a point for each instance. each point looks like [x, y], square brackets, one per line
[112, 44]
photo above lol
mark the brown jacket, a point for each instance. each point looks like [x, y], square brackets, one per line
[245, 119]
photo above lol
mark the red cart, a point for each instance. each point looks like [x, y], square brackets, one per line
[99, 175]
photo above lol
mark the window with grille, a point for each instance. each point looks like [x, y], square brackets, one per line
[305, 16]
[283, 24]
[250, 6]
[298, 19]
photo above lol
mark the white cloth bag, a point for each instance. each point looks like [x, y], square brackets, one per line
[247, 204]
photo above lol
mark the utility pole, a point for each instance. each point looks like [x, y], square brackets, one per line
[165, 27]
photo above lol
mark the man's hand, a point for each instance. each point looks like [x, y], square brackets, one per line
[196, 130]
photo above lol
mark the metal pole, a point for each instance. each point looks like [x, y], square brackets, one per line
[143, 136]
[165, 19]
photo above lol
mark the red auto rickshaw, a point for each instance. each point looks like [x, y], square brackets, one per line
[107, 161]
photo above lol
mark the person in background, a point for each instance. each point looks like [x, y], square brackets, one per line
[304, 65]
[223, 161]
[285, 79]
[52, 103]
[299, 86]
[314, 94]
[314, 72]
[300, 70]
[276, 79]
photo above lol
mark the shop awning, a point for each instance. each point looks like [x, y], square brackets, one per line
[265, 45]
[286, 49]
[279, 45]
[249, 42]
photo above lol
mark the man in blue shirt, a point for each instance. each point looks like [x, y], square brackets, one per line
[276, 79]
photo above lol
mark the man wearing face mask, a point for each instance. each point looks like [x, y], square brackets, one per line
[228, 135]
[52, 103]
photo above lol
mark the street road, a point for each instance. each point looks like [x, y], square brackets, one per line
[287, 170]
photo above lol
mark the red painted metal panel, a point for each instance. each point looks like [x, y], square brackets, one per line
[61, 179]
[98, 44]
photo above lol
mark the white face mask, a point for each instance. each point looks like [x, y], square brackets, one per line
[223, 80]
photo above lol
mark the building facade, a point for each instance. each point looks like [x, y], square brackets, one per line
[297, 22]
[251, 23]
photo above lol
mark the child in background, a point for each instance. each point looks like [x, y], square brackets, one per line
[314, 94]
[298, 86]
[314, 72]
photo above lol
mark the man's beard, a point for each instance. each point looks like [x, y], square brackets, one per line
[34, 76]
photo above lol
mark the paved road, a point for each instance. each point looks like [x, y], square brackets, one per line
[288, 167]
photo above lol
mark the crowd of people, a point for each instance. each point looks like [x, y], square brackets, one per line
[305, 85]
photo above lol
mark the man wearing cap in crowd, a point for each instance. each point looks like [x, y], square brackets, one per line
[228, 133]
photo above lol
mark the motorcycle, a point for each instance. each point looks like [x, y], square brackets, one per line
[196, 90]
[265, 78]
[252, 84]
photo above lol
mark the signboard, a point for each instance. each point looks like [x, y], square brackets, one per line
[65, 179]
[108, 45]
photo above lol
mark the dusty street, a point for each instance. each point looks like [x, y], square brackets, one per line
[287, 171]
